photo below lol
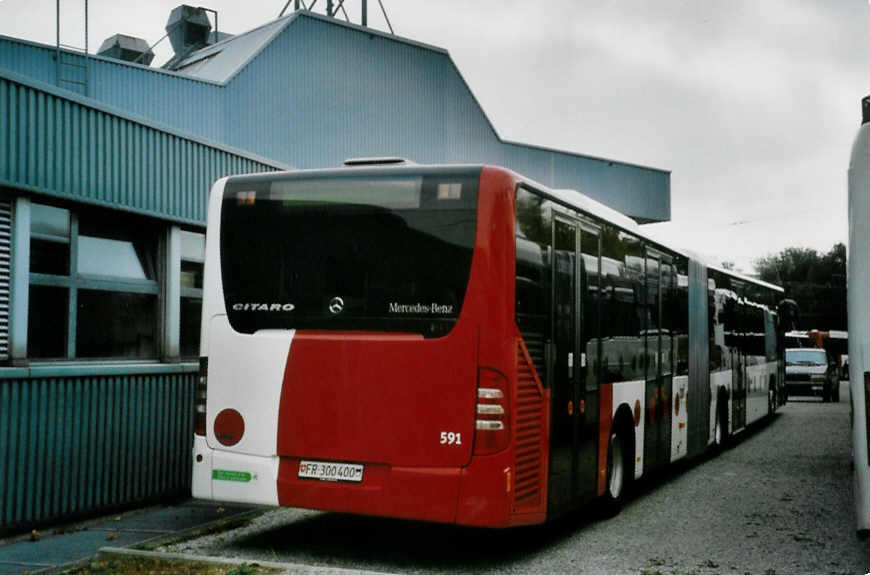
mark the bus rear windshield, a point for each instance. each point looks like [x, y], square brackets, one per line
[380, 253]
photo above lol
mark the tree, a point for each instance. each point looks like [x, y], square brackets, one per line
[817, 282]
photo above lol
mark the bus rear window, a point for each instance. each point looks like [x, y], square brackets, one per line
[384, 253]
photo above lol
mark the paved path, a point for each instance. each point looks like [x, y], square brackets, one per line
[74, 543]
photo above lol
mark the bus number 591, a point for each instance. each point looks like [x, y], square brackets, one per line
[450, 438]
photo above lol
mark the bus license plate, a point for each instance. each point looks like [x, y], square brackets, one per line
[817, 388]
[327, 471]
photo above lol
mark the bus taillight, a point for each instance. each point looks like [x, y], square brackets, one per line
[491, 429]
[199, 398]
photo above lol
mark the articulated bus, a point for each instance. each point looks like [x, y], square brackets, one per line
[460, 344]
[859, 314]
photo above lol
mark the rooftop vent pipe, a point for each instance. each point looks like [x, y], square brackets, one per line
[127, 48]
[188, 29]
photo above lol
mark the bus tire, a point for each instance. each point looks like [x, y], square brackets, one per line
[837, 392]
[721, 435]
[620, 465]
[614, 489]
[771, 401]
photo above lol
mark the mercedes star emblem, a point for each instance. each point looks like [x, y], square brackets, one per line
[336, 304]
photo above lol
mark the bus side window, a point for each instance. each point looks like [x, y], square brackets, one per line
[621, 269]
[534, 220]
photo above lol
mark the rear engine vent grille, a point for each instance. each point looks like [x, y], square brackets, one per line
[530, 452]
[534, 342]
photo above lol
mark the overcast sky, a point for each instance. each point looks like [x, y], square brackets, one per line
[751, 104]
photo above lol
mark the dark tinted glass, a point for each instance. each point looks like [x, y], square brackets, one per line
[191, 314]
[679, 312]
[534, 230]
[622, 287]
[47, 321]
[589, 289]
[725, 315]
[116, 324]
[49, 257]
[388, 253]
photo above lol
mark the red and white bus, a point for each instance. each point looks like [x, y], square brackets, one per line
[459, 344]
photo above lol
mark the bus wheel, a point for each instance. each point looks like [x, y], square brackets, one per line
[720, 436]
[837, 392]
[617, 478]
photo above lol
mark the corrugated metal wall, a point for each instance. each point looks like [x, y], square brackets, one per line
[70, 446]
[181, 102]
[321, 92]
[58, 145]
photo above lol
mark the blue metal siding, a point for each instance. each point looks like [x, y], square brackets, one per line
[29, 59]
[176, 100]
[69, 446]
[633, 190]
[321, 92]
[58, 146]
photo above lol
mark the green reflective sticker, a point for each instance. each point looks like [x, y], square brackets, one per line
[228, 475]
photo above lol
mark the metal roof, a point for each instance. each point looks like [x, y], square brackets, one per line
[220, 62]
[310, 91]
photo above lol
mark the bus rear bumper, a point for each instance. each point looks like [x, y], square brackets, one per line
[233, 477]
[479, 494]
[423, 493]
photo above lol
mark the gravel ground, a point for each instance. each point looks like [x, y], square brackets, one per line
[778, 502]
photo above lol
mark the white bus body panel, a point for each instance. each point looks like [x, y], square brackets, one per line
[859, 315]
[213, 292]
[631, 393]
[251, 386]
[758, 397]
[247, 471]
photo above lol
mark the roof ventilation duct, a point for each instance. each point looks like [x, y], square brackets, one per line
[188, 29]
[127, 48]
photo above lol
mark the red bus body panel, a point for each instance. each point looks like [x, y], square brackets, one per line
[379, 399]
[383, 400]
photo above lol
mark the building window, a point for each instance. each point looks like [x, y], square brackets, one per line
[47, 334]
[93, 286]
[192, 261]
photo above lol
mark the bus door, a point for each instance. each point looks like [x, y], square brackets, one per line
[565, 383]
[656, 399]
[589, 352]
[739, 375]
[668, 343]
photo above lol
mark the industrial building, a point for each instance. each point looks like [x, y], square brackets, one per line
[105, 167]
